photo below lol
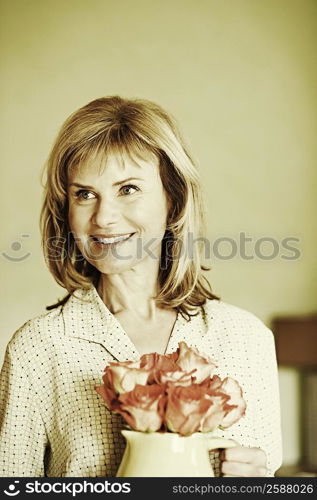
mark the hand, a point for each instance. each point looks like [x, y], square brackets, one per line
[240, 461]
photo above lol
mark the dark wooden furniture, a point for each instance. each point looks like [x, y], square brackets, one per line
[296, 347]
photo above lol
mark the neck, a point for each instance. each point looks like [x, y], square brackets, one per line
[131, 292]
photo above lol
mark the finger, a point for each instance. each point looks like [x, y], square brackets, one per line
[254, 456]
[213, 450]
[239, 469]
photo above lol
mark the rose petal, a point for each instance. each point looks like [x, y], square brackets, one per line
[236, 405]
[108, 396]
[190, 359]
[125, 378]
[143, 407]
[186, 407]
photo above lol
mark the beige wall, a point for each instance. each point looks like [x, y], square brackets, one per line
[240, 77]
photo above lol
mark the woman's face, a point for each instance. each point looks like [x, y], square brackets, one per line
[126, 201]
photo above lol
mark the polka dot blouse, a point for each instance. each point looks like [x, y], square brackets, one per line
[53, 423]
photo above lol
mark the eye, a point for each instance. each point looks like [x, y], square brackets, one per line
[82, 194]
[126, 189]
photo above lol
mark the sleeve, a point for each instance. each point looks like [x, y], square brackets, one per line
[22, 432]
[267, 420]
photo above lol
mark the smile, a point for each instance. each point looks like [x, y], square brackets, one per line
[112, 241]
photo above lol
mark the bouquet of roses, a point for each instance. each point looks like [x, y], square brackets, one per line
[177, 392]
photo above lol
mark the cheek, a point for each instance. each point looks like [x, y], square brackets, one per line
[76, 222]
[153, 212]
[72, 219]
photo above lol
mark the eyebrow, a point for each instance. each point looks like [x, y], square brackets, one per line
[115, 184]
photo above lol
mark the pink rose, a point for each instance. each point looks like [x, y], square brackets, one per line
[186, 407]
[143, 408]
[107, 392]
[155, 361]
[164, 369]
[233, 403]
[236, 405]
[215, 413]
[177, 377]
[119, 378]
[189, 359]
[124, 377]
[212, 384]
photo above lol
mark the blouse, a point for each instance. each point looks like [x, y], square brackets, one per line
[52, 421]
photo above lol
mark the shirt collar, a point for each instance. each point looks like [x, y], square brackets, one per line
[87, 317]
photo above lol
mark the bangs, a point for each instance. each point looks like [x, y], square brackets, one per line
[122, 143]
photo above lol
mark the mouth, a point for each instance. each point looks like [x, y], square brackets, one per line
[115, 241]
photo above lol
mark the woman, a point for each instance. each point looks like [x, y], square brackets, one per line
[121, 222]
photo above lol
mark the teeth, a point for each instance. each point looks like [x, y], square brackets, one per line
[112, 240]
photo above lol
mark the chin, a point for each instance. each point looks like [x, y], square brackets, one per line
[112, 267]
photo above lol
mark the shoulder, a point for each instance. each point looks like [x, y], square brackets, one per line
[42, 332]
[236, 319]
[36, 332]
[238, 335]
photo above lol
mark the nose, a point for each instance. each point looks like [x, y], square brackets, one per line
[106, 213]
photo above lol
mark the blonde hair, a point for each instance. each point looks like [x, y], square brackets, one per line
[128, 126]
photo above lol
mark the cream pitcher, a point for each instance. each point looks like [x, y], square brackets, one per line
[167, 454]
